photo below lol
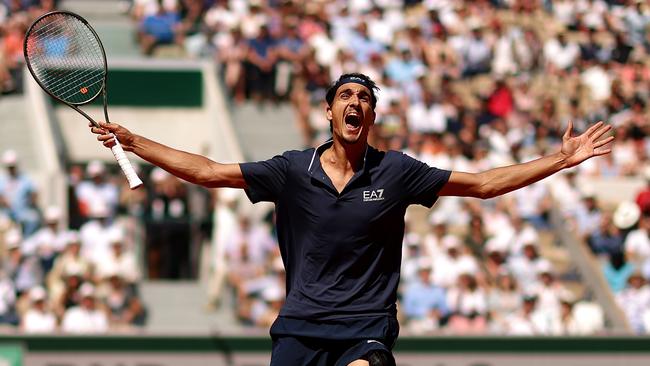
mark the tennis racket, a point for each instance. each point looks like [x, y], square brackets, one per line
[66, 58]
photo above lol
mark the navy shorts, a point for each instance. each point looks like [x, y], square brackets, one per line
[298, 351]
[331, 343]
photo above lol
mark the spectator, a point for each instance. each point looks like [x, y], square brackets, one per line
[634, 299]
[69, 263]
[158, 28]
[167, 227]
[617, 271]
[529, 321]
[38, 318]
[49, 240]
[637, 242]
[607, 239]
[468, 306]
[24, 270]
[96, 234]
[503, 299]
[560, 53]
[96, 193]
[18, 194]
[527, 267]
[260, 66]
[119, 262]
[124, 306]
[7, 300]
[424, 304]
[88, 317]
[447, 268]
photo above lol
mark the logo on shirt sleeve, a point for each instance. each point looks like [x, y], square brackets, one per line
[374, 195]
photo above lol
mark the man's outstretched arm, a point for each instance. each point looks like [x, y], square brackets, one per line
[193, 168]
[498, 181]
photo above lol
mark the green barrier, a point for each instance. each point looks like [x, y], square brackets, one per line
[152, 88]
[443, 344]
[11, 355]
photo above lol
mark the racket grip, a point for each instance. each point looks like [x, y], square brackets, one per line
[125, 164]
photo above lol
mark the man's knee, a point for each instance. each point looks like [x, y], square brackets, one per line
[380, 358]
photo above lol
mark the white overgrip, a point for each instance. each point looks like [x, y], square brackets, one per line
[125, 164]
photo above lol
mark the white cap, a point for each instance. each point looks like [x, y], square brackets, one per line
[52, 213]
[498, 243]
[98, 209]
[10, 158]
[424, 263]
[412, 239]
[116, 236]
[95, 168]
[72, 237]
[13, 239]
[37, 294]
[273, 293]
[545, 267]
[451, 241]
[158, 175]
[626, 215]
[73, 269]
[87, 290]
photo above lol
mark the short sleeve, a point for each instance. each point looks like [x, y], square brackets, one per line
[265, 179]
[422, 182]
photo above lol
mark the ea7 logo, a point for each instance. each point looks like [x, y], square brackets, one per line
[376, 195]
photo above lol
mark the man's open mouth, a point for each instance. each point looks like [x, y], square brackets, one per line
[352, 120]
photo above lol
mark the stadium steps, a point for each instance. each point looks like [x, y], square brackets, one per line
[112, 23]
[179, 307]
[265, 130]
[15, 131]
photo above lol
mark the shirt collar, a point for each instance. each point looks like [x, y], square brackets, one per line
[315, 158]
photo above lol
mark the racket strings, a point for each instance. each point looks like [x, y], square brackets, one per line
[66, 58]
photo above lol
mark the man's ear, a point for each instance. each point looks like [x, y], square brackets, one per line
[328, 113]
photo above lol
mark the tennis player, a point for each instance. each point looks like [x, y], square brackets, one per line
[340, 221]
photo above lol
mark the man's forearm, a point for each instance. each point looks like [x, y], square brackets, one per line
[193, 168]
[502, 180]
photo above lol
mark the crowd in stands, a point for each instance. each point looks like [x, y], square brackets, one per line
[15, 18]
[464, 85]
[54, 278]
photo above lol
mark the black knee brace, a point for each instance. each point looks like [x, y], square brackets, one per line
[380, 358]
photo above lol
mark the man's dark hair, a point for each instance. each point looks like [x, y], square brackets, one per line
[354, 77]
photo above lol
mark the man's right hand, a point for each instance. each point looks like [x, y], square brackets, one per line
[106, 131]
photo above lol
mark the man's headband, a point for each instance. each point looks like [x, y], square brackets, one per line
[353, 79]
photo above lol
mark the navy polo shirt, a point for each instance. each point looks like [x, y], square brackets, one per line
[342, 251]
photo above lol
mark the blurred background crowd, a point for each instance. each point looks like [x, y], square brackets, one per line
[464, 85]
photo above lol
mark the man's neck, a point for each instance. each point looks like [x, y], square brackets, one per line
[345, 157]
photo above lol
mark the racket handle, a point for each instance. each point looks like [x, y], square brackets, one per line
[125, 164]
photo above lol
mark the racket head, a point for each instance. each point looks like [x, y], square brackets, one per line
[66, 57]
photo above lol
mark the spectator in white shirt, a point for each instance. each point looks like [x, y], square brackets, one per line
[527, 267]
[637, 242]
[96, 191]
[96, 235]
[561, 54]
[38, 318]
[529, 320]
[88, 317]
[48, 241]
[448, 267]
[119, 262]
[467, 303]
[635, 301]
